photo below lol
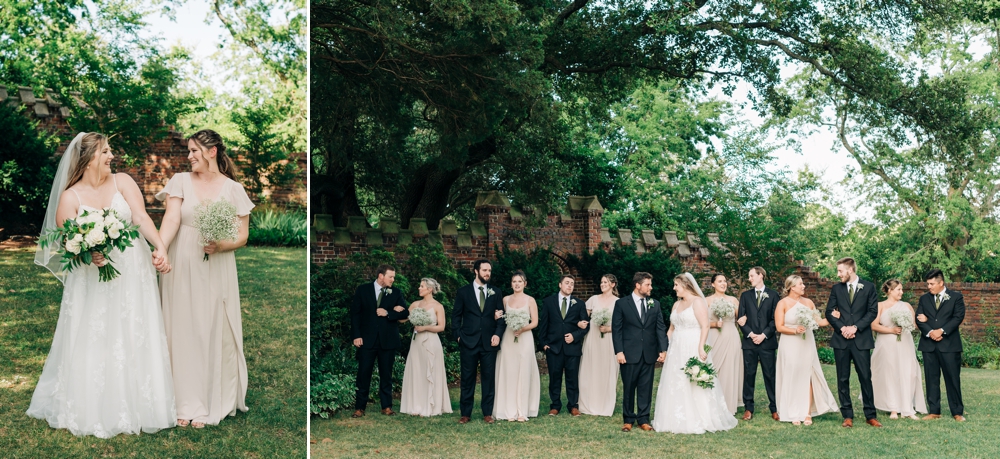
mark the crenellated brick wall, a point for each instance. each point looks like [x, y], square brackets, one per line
[575, 231]
[163, 158]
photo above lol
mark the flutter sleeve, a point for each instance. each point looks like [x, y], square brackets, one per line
[174, 188]
[240, 199]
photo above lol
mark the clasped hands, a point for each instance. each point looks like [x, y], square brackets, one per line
[849, 331]
[160, 261]
[621, 357]
[936, 335]
[757, 339]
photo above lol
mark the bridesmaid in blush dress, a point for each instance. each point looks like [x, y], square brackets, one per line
[425, 382]
[201, 298]
[896, 378]
[518, 385]
[800, 386]
[598, 365]
[727, 350]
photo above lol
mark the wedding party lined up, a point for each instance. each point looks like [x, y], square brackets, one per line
[710, 348]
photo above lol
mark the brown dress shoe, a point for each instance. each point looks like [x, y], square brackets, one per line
[574, 412]
[848, 423]
[959, 418]
[874, 423]
[463, 420]
[931, 417]
[388, 412]
[488, 419]
[627, 428]
[553, 412]
[775, 416]
[358, 414]
[747, 415]
[646, 427]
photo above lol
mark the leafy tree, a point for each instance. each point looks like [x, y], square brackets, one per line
[26, 171]
[264, 159]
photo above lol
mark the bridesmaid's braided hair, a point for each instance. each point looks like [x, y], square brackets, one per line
[431, 284]
[207, 138]
[790, 282]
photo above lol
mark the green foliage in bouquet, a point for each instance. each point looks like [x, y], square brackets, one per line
[100, 232]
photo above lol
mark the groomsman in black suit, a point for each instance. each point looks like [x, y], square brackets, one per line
[639, 336]
[856, 301]
[756, 319]
[560, 333]
[939, 313]
[375, 313]
[478, 331]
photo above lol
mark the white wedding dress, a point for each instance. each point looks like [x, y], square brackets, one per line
[108, 371]
[682, 406]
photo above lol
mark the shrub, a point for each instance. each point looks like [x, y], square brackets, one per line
[623, 262]
[27, 166]
[277, 228]
[826, 355]
[542, 271]
[978, 355]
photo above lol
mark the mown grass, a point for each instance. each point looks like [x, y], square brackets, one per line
[589, 436]
[273, 294]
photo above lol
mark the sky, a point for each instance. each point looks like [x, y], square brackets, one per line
[190, 30]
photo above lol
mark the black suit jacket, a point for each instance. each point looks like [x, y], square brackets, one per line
[640, 340]
[367, 325]
[760, 320]
[947, 318]
[473, 327]
[860, 313]
[552, 328]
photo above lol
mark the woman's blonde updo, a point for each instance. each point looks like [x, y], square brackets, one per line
[790, 282]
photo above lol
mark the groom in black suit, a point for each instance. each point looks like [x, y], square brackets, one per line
[639, 336]
[478, 332]
[560, 334]
[939, 313]
[375, 313]
[756, 319]
[856, 301]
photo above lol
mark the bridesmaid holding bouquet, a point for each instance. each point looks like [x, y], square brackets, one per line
[425, 382]
[726, 353]
[896, 379]
[598, 365]
[518, 385]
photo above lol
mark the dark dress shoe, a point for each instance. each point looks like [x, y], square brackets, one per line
[646, 427]
[848, 423]
[874, 423]
[488, 419]
[358, 414]
[747, 415]
[388, 412]
[463, 420]
[959, 418]
[553, 412]
[775, 416]
[627, 428]
[574, 411]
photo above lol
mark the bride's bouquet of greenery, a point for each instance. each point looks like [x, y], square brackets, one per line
[100, 231]
[722, 308]
[808, 318]
[420, 317]
[601, 317]
[904, 320]
[216, 221]
[700, 373]
[517, 319]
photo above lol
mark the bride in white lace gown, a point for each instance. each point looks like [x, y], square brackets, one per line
[108, 371]
[681, 405]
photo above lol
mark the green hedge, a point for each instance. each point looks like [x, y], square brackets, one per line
[27, 167]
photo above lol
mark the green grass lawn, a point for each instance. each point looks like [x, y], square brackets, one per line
[590, 436]
[273, 292]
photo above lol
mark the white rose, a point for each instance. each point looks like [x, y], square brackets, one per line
[94, 238]
[114, 233]
[704, 377]
[73, 245]
[98, 226]
[110, 221]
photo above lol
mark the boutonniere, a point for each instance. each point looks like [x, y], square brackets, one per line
[489, 292]
[764, 296]
[388, 291]
[945, 297]
[860, 286]
[572, 302]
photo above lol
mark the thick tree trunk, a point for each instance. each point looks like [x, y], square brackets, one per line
[429, 190]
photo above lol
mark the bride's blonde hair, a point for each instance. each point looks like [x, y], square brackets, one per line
[790, 282]
[686, 282]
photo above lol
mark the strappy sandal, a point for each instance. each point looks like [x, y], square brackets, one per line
[183, 423]
[198, 425]
[808, 421]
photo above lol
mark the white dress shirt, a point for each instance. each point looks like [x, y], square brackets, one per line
[378, 291]
[638, 303]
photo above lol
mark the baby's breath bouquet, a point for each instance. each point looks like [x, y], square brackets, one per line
[807, 318]
[904, 320]
[517, 319]
[601, 317]
[93, 231]
[420, 317]
[722, 308]
[217, 221]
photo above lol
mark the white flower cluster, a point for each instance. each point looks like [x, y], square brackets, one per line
[600, 317]
[94, 229]
[517, 319]
[807, 318]
[696, 374]
[902, 319]
[421, 317]
[217, 221]
[722, 308]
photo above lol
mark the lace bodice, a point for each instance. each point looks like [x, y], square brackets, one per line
[684, 319]
[118, 204]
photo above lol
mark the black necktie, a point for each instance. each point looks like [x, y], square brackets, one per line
[642, 315]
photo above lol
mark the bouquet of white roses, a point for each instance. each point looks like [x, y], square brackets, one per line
[722, 308]
[93, 231]
[216, 221]
[904, 320]
[601, 317]
[807, 318]
[517, 319]
[420, 317]
[700, 373]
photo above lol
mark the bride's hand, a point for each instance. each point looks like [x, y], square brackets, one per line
[97, 259]
[211, 247]
[702, 355]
